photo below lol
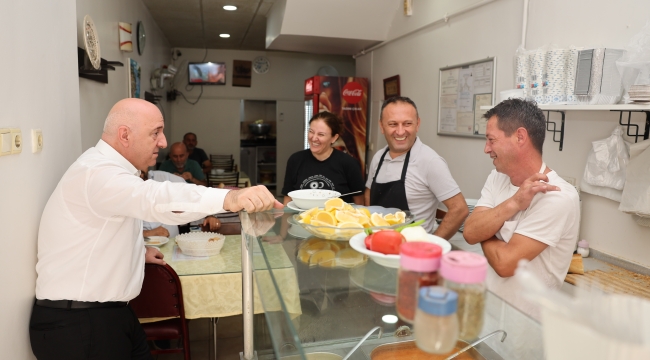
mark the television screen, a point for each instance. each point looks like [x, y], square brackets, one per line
[208, 73]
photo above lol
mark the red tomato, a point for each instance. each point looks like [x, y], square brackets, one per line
[368, 241]
[386, 242]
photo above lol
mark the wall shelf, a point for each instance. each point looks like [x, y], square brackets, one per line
[552, 126]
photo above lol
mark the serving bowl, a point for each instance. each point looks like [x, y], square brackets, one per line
[200, 243]
[357, 243]
[344, 234]
[259, 129]
[311, 198]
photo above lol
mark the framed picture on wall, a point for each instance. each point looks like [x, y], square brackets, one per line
[241, 74]
[391, 87]
[134, 78]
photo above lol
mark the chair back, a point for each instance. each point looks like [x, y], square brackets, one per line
[161, 294]
[217, 157]
[227, 165]
[228, 179]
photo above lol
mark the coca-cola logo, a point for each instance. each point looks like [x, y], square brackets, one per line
[352, 92]
[309, 86]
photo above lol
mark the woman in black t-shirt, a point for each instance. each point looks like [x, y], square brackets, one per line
[322, 166]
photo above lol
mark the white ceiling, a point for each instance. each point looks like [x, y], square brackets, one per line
[180, 21]
[342, 27]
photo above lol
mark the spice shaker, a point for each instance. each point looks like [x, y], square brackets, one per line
[583, 248]
[418, 266]
[464, 273]
[436, 323]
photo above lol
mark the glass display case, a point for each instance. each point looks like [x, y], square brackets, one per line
[332, 296]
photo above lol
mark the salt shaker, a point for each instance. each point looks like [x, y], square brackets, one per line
[583, 248]
[465, 273]
[436, 323]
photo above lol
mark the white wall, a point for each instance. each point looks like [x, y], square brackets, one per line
[495, 30]
[216, 117]
[96, 99]
[39, 91]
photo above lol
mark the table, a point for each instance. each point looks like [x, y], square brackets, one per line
[212, 286]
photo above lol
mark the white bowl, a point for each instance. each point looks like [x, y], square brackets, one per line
[199, 244]
[357, 242]
[311, 198]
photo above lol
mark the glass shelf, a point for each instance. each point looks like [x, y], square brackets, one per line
[310, 307]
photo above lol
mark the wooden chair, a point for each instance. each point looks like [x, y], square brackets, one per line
[228, 179]
[217, 157]
[162, 296]
[227, 165]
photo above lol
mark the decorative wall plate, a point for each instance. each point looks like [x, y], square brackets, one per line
[142, 39]
[91, 41]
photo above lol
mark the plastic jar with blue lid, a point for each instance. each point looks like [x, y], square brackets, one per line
[436, 323]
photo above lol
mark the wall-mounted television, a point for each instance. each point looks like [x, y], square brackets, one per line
[208, 73]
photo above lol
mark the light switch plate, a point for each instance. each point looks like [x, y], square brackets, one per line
[5, 142]
[16, 141]
[37, 140]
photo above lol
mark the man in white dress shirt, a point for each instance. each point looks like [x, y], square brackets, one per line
[526, 210]
[91, 252]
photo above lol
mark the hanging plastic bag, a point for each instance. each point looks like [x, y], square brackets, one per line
[636, 194]
[634, 65]
[589, 325]
[607, 161]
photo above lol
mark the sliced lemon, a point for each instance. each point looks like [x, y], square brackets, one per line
[325, 217]
[401, 216]
[348, 207]
[306, 220]
[325, 258]
[377, 220]
[350, 258]
[316, 247]
[304, 255]
[347, 216]
[335, 203]
[365, 211]
[349, 229]
[309, 212]
[391, 219]
[322, 228]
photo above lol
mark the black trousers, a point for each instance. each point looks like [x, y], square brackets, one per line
[88, 334]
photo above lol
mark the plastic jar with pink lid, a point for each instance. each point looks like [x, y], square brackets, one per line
[465, 273]
[418, 266]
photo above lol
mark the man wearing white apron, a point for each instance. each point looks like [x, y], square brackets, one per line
[526, 210]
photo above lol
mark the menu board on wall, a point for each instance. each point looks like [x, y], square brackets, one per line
[463, 89]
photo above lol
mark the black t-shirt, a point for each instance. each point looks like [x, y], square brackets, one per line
[339, 172]
[199, 156]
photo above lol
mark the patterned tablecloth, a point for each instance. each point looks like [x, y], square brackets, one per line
[212, 286]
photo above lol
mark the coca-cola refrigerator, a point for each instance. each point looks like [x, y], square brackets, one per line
[348, 98]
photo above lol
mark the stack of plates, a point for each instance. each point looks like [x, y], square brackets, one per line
[640, 93]
[470, 205]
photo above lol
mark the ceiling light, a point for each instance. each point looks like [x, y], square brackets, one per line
[389, 319]
[230, 7]
[224, 35]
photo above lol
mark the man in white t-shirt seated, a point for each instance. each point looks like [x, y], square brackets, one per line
[526, 211]
[210, 223]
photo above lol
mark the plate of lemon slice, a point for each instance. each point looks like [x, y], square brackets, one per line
[340, 221]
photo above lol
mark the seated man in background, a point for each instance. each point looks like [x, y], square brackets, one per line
[210, 223]
[179, 164]
[197, 154]
[526, 211]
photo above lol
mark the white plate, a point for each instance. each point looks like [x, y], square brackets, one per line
[298, 232]
[155, 240]
[291, 205]
[357, 243]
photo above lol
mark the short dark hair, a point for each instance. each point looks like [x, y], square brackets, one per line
[515, 113]
[332, 120]
[397, 99]
[189, 133]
